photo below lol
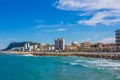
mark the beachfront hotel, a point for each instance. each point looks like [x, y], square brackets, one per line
[60, 44]
[117, 39]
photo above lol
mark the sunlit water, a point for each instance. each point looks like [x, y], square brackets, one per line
[28, 67]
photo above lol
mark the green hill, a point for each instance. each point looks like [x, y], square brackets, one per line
[18, 44]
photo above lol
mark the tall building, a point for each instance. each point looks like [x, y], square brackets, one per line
[117, 39]
[26, 46]
[59, 44]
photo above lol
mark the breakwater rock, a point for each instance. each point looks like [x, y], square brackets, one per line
[106, 55]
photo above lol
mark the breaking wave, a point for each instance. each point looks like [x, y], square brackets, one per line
[28, 55]
[100, 64]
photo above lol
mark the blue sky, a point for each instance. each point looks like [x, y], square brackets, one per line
[45, 20]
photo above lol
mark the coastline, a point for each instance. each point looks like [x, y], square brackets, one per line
[105, 55]
[14, 52]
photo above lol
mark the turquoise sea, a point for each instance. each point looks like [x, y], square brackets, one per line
[28, 67]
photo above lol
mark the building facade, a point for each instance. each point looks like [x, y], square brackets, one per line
[86, 46]
[97, 47]
[109, 47]
[49, 48]
[100, 47]
[117, 40]
[60, 44]
[27, 46]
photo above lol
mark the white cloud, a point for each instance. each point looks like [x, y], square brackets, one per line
[88, 4]
[56, 30]
[107, 40]
[104, 11]
[54, 26]
[100, 18]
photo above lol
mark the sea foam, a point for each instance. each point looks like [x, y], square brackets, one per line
[99, 63]
[28, 55]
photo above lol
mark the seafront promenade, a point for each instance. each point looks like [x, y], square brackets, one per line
[105, 55]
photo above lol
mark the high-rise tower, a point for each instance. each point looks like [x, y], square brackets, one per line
[59, 44]
[117, 39]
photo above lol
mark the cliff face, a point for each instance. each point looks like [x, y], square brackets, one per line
[18, 44]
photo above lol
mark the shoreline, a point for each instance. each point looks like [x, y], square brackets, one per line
[105, 55]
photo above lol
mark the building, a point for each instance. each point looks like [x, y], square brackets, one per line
[100, 47]
[49, 48]
[72, 48]
[97, 47]
[27, 46]
[33, 47]
[75, 43]
[109, 47]
[117, 39]
[42, 47]
[17, 49]
[86, 46]
[60, 44]
[75, 46]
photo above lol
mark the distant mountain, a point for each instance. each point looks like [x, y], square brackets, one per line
[18, 44]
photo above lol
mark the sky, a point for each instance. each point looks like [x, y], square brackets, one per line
[45, 20]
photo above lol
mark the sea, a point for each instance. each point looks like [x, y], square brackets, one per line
[29, 67]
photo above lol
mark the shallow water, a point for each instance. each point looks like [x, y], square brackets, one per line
[28, 67]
